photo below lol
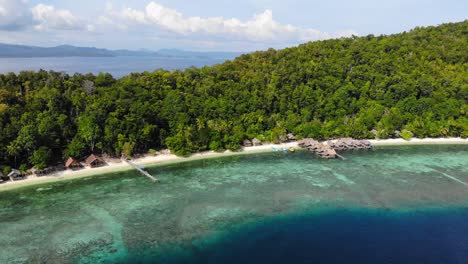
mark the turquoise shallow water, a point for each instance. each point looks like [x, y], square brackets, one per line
[203, 204]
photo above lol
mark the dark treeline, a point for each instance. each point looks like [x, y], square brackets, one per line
[415, 82]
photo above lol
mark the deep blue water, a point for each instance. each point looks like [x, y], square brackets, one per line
[340, 236]
[391, 205]
[117, 66]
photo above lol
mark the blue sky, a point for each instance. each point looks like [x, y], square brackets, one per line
[241, 25]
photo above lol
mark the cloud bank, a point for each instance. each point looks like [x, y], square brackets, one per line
[154, 23]
[261, 27]
[14, 15]
[48, 17]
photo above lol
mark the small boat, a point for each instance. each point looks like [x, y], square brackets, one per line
[291, 149]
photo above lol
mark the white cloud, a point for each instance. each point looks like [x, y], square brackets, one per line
[134, 15]
[48, 17]
[121, 20]
[149, 26]
[14, 14]
[261, 27]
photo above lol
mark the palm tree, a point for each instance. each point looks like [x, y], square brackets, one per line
[13, 149]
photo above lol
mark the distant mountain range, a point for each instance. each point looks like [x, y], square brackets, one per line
[21, 51]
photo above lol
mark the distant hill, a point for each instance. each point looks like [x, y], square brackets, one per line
[21, 51]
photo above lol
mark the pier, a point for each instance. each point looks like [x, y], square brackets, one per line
[141, 170]
[341, 157]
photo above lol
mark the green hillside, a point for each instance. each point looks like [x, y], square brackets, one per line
[415, 81]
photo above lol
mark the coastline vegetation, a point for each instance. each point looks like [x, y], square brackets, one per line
[361, 87]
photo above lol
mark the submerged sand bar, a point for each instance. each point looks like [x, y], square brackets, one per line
[170, 158]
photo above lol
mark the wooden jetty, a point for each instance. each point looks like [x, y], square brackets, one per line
[141, 170]
[341, 157]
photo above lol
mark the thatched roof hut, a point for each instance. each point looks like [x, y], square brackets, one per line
[256, 142]
[329, 154]
[291, 137]
[324, 151]
[308, 143]
[93, 161]
[350, 144]
[72, 164]
[14, 173]
[283, 138]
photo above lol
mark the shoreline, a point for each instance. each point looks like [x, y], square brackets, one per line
[164, 159]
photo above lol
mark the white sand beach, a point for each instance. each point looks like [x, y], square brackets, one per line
[417, 141]
[113, 166]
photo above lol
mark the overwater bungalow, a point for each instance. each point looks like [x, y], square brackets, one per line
[93, 161]
[72, 164]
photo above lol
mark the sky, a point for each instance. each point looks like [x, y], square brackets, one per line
[221, 25]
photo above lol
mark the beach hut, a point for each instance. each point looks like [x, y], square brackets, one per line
[93, 161]
[72, 164]
[291, 137]
[247, 143]
[14, 174]
[256, 142]
[283, 138]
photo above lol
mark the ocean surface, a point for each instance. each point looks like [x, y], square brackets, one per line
[405, 204]
[117, 66]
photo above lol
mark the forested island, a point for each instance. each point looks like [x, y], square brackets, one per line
[63, 51]
[409, 84]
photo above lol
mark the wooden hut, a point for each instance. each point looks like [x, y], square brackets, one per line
[72, 164]
[93, 161]
[283, 138]
[247, 143]
[256, 142]
[14, 174]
